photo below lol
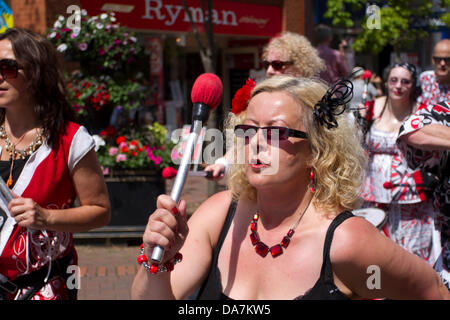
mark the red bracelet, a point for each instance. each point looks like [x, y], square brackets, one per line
[154, 268]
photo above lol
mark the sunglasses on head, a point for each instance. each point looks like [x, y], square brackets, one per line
[9, 68]
[283, 133]
[277, 65]
[439, 59]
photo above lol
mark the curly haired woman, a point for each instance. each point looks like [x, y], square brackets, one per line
[284, 229]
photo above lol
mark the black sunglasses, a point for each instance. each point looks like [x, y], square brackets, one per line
[248, 131]
[9, 68]
[277, 65]
[439, 59]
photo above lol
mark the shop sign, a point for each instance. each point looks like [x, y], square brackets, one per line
[229, 17]
[6, 17]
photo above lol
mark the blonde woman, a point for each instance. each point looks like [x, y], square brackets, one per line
[288, 53]
[292, 54]
[286, 234]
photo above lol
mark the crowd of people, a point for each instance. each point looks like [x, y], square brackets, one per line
[288, 235]
[406, 140]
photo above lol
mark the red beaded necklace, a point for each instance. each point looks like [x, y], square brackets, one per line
[261, 248]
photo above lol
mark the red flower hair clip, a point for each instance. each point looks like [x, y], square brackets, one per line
[241, 97]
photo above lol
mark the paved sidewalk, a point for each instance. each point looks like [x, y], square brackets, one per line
[107, 270]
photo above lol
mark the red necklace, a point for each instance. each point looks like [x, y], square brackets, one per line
[261, 248]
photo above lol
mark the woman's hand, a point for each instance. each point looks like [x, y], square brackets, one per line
[218, 171]
[28, 213]
[166, 227]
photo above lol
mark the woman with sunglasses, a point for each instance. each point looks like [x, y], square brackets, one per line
[287, 54]
[47, 161]
[292, 54]
[391, 184]
[283, 230]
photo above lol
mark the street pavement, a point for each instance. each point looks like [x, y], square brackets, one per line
[108, 266]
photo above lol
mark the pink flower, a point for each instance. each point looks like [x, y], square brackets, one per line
[123, 145]
[121, 157]
[157, 160]
[113, 151]
[105, 171]
[174, 155]
[83, 46]
[149, 153]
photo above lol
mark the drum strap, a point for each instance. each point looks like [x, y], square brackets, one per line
[36, 279]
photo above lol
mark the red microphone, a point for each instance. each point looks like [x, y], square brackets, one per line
[206, 94]
[367, 75]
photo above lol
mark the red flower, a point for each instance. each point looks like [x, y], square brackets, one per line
[124, 149]
[134, 153]
[169, 173]
[134, 143]
[109, 131]
[120, 139]
[241, 97]
[388, 185]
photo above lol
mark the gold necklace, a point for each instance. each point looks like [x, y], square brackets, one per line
[14, 153]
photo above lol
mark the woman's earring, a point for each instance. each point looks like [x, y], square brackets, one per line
[312, 177]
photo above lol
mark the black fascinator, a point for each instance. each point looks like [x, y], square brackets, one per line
[333, 103]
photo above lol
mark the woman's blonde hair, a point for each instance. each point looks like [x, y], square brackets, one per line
[299, 50]
[337, 157]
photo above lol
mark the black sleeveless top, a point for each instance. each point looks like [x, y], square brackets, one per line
[324, 289]
[5, 166]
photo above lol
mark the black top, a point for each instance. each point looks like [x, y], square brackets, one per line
[5, 166]
[324, 289]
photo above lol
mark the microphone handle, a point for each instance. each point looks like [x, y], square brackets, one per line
[365, 92]
[180, 178]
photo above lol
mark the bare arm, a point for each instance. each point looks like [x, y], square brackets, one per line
[429, 137]
[93, 212]
[373, 266]
[201, 235]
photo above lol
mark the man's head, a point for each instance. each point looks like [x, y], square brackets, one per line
[441, 61]
[323, 34]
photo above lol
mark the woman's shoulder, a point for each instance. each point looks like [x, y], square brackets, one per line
[211, 214]
[353, 237]
[218, 200]
[379, 104]
[72, 129]
[215, 206]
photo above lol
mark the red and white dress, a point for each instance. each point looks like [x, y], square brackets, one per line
[412, 222]
[437, 162]
[432, 91]
[47, 179]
